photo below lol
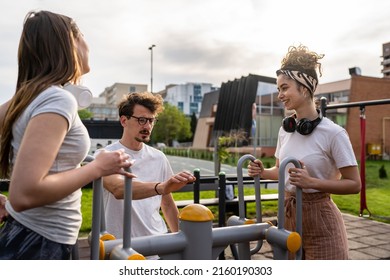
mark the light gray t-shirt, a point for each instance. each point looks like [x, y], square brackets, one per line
[323, 152]
[61, 220]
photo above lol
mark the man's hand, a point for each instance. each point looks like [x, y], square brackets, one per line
[176, 182]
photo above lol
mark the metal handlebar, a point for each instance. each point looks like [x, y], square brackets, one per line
[281, 186]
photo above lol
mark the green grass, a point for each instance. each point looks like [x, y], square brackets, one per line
[377, 194]
[86, 210]
[377, 197]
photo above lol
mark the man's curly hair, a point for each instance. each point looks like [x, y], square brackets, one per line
[154, 102]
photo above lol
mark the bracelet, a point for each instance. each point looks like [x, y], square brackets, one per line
[155, 188]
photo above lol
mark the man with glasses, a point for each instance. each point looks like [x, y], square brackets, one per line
[138, 114]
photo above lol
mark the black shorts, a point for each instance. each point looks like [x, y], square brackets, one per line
[18, 242]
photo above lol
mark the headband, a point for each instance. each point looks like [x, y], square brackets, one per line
[304, 79]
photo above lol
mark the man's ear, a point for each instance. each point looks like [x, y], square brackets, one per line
[123, 119]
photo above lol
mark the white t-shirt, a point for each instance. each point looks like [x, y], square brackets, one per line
[151, 165]
[61, 220]
[323, 152]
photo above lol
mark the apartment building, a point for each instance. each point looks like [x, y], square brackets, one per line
[187, 97]
[386, 60]
[104, 107]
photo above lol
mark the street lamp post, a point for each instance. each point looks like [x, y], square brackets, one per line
[151, 67]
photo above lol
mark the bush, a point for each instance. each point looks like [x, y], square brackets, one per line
[382, 172]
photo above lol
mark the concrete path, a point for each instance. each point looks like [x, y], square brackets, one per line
[206, 167]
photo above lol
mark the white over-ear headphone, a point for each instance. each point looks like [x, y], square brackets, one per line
[82, 94]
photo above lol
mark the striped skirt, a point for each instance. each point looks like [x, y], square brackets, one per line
[324, 236]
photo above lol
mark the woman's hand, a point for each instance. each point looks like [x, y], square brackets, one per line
[255, 168]
[114, 162]
[300, 177]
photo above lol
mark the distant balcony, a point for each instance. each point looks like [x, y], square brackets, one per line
[386, 61]
[386, 71]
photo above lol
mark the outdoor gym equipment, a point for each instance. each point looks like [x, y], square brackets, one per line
[280, 239]
[98, 231]
[124, 251]
[196, 239]
[279, 250]
[244, 251]
[99, 234]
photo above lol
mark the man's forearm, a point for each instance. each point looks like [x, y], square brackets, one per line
[140, 190]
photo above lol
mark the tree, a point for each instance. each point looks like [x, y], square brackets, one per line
[193, 123]
[224, 142]
[172, 125]
[85, 114]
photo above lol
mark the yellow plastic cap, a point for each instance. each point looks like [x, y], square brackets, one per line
[196, 213]
[136, 257]
[107, 236]
[294, 242]
[249, 222]
[102, 250]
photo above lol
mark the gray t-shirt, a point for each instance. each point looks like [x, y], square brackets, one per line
[61, 220]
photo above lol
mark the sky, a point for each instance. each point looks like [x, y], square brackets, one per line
[211, 41]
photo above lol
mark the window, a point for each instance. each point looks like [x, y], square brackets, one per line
[180, 106]
[270, 112]
[194, 107]
[197, 93]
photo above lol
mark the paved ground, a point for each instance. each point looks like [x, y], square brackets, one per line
[206, 167]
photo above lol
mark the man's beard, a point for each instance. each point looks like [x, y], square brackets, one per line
[145, 138]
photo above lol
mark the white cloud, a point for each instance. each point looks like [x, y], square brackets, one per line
[206, 41]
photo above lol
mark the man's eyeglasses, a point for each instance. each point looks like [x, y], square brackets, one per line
[143, 120]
